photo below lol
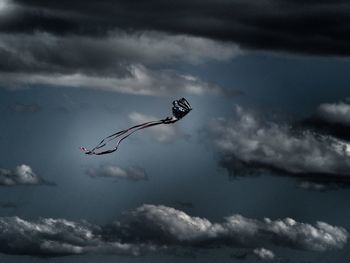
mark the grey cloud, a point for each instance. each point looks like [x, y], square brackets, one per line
[21, 175]
[152, 228]
[58, 237]
[322, 185]
[112, 171]
[139, 81]
[248, 143]
[335, 113]
[44, 52]
[121, 61]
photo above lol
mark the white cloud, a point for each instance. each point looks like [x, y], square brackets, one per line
[173, 225]
[21, 175]
[335, 113]
[264, 253]
[260, 143]
[113, 171]
[159, 133]
[152, 228]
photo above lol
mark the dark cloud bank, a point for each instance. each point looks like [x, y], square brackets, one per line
[36, 49]
[312, 27]
[120, 46]
[152, 228]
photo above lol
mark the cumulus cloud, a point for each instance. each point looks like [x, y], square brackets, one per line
[248, 143]
[152, 228]
[113, 171]
[21, 175]
[263, 253]
[168, 225]
[58, 237]
[335, 113]
[159, 133]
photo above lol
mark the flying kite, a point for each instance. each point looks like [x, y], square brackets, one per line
[180, 109]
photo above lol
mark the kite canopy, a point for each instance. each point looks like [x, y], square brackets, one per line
[180, 109]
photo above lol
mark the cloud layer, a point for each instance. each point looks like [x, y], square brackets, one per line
[247, 143]
[21, 175]
[152, 228]
[288, 25]
[120, 61]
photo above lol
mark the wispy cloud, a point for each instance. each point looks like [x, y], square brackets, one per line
[112, 171]
[25, 108]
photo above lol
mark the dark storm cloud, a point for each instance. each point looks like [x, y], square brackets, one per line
[152, 228]
[115, 172]
[312, 27]
[77, 46]
[250, 145]
[21, 175]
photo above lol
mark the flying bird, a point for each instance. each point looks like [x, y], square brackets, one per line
[180, 109]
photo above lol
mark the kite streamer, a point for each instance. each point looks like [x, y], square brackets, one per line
[180, 109]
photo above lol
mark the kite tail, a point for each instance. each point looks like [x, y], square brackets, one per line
[126, 134]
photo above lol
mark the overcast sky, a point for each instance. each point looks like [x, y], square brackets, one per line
[259, 170]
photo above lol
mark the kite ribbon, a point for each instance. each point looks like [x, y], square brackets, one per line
[180, 109]
[126, 134]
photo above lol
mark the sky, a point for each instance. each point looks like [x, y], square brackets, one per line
[257, 171]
